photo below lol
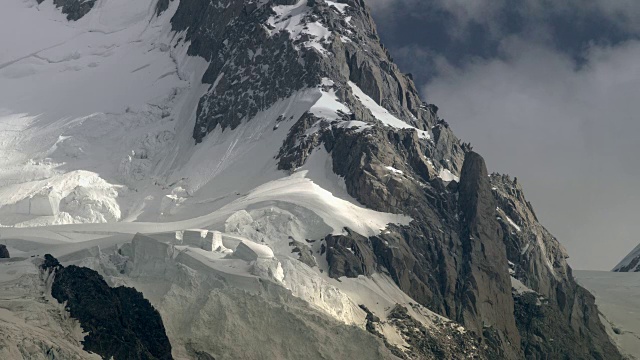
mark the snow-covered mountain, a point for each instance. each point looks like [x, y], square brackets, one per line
[270, 181]
[630, 263]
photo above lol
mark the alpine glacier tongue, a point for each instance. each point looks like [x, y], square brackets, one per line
[265, 175]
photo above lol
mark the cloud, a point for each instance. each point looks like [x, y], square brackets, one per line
[547, 91]
[569, 134]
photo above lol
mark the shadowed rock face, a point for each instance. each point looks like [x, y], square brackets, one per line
[4, 252]
[120, 322]
[559, 319]
[252, 65]
[349, 255]
[74, 9]
[484, 285]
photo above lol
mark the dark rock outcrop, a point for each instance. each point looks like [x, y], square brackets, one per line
[254, 63]
[120, 322]
[74, 9]
[484, 284]
[349, 255]
[4, 252]
[443, 341]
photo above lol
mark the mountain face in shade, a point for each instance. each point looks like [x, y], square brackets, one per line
[120, 322]
[283, 177]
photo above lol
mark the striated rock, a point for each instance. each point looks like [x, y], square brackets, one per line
[484, 285]
[120, 322]
[349, 255]
[305, 254]
[258, 56]
[559, 318]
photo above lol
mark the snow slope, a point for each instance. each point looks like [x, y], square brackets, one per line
[618, 299]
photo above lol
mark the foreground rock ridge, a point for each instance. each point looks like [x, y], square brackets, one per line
[120, 323]
[290, 196]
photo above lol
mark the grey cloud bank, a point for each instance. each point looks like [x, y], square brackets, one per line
[557, 107]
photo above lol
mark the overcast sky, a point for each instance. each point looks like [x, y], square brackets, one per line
[548, 91]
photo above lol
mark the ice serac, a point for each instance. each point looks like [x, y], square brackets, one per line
[549, 304]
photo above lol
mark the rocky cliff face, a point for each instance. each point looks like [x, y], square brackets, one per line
[74, 9]
[555, 316]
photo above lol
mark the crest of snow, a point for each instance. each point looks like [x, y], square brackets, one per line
[335, 212]
[394, 170]
[519, 287]
[447, 176]
[353, 124]
[293, 19]
[383, 114]
[328, 106]
[341, 7]
[514, 224]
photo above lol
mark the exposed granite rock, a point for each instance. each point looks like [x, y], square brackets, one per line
[565, 323]
[427, 259]
[484, 284]
[74, 9]
[120, 322]
[4, 252]
[305, 254]
[349, 255]
[253, 64]
[445, 340]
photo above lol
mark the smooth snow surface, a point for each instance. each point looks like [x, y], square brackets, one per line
[447, 176]
[383, 114]
[618, 299]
